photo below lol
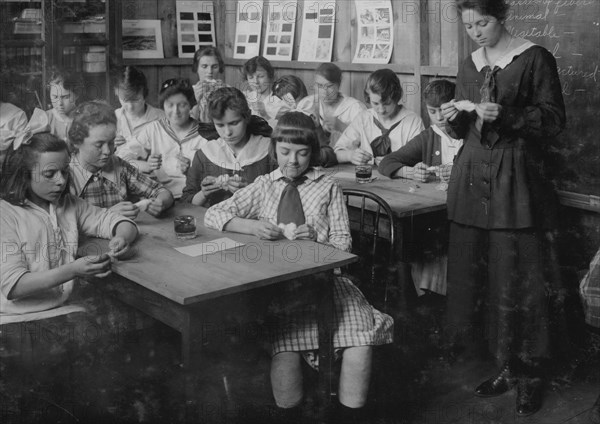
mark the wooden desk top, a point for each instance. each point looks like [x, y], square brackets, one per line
[187, 280]
[404, 202]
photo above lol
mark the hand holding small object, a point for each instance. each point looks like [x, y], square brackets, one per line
[423, 173]
[184, 163]
[92, 266]
[127, 209]
[209, 185]
[361, 157]
[449, 110]
[154, 206]
[488, 112]
[236, 182]
[266, 231]
[305, 232]
[119, 248]
[155, 161]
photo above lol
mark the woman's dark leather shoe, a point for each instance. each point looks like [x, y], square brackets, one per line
[529, 396]
[496, 385]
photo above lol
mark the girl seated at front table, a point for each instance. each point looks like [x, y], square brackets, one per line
[384, 128]
[297, 194]
[259, 74]
[234, 159]
[166, 147]
[291, 90]
[131, 88]
[102, 178]
[208, 65]
[40, 225]
[333, 110]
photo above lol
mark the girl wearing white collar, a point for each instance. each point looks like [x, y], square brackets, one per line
[237, 151]
[501, 204]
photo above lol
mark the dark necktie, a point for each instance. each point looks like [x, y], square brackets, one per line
[290, 206]
[488, 88]
[382, 145]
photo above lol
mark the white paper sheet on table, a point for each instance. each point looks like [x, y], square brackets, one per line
[209, 247]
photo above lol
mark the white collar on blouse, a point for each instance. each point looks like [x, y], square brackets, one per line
[478, 56]
[80, 176]
[445, 137]
[219, 153]
[312, 174]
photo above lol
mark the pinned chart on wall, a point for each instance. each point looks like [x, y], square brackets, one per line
[281, 24]
[318, 27]
[195, 26]
[248, 29]
[375, 31]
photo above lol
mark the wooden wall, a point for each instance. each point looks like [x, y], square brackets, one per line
[428, 42]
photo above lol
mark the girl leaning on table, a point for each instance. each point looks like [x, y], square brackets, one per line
[166, 147]
[102, 178]
[502, 205]
[40, 225]
[237, 153]
[308, 205]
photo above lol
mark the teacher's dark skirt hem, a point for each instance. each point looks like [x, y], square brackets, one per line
[498, 290]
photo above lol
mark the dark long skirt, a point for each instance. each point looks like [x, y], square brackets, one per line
[498, 285]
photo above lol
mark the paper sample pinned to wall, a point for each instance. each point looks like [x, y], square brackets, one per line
[375, 39]
[281, 24]
[195, 26]
[318, 26]
[248, 29]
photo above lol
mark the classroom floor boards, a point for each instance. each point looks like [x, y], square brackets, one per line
[140, 380]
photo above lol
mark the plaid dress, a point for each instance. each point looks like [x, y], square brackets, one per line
[356, 322]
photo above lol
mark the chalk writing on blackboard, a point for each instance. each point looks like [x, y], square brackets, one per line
[570, 30]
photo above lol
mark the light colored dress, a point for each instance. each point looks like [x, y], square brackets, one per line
[59, 125]
[35, 240]
[346, 111]
[12, 121]
[356, 322]
[157, 137]
[363, 130]
[127, 130]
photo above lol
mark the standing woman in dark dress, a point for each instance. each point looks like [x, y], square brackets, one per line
[501, 202]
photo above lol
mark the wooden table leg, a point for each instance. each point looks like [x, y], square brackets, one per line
[326, 352]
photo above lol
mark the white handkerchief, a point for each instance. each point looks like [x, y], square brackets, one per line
[209, 247]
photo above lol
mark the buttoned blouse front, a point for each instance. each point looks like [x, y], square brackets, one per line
[500, 178]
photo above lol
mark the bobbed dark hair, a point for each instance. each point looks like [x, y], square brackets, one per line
[297, 128]
[386, 84]
[87, 115]
[15, 178]
[438, 92]
[290, 84]
[256, 62]
[228, 98]
[208, 51]
[330, 72]
[496, 8]
[131, 81]
[174, 86]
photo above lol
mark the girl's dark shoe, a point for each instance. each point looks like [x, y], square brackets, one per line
[498, 384]
[529, 396]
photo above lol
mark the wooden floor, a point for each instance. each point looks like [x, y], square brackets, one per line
[139, 379]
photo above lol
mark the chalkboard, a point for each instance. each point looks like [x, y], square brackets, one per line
[570, 29]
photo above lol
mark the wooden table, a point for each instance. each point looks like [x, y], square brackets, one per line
[408, 199]
[185, 292]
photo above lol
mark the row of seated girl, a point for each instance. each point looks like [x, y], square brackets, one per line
[38, 209]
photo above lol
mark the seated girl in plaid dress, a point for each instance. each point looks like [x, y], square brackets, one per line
[258, 209]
